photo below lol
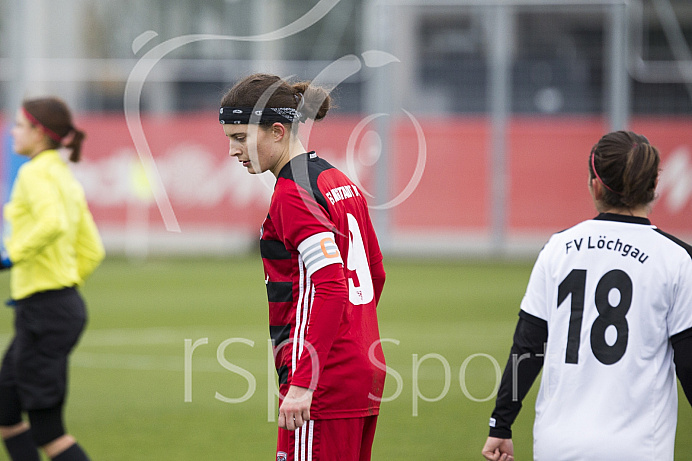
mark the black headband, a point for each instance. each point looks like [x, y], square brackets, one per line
[243, 115]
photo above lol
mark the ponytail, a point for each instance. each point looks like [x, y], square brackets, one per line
[315, 101]
[54, 117]
[627, 165]
[74, 143]
[640, 174]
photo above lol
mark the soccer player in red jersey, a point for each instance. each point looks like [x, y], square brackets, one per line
[323, 271]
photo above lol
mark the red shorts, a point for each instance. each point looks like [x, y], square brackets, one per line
[348, 439]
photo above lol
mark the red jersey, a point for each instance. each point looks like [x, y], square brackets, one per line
[324, 274]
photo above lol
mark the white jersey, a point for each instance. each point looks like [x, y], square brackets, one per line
[613, 290]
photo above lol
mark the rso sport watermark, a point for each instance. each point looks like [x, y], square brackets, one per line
[234, 347]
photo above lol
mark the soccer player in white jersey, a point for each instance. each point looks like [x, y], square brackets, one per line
[607, 314]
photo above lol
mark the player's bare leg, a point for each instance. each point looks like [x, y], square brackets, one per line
[7, 432]
[58, 445]
[18, 442]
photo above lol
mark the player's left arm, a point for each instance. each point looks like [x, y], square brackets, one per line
[682, 356]
[305, 225]
[378, 277]
[377, 272]
[680, 323]
[324, 268]
[88, 246]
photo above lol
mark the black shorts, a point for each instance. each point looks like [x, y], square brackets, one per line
[47, 327]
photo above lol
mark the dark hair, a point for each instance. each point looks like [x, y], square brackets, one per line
[627, 165]
[313, 102]
[53, 115]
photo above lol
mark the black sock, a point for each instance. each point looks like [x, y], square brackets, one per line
[21, 447]
[74, 453]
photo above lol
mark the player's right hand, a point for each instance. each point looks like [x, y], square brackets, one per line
[295, 408]
[5, 261]
[496, 449]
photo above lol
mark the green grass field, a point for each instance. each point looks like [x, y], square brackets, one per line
[132, 398]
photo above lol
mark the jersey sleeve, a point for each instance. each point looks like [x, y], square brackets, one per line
[377, 272]
[680, 316]
[682, 355]
[524, 363]
[378, 277]
[51, 222]
[534, 301]
[526, 356]
[329, 301]
[89, 247]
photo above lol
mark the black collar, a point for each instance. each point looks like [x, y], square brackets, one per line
[302, 158]
[622, 218]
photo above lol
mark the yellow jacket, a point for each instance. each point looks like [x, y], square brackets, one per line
[50, 235]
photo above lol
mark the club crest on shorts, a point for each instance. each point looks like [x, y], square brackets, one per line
[281, 456]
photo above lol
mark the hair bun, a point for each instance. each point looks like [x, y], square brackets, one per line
[312, 101]
[315, 100]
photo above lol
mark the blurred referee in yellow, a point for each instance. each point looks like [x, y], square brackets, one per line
[51, 245]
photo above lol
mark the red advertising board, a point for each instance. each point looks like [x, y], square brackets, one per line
[439, 172]
[547, 173]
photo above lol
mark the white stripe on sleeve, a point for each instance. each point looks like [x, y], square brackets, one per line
[311, 427]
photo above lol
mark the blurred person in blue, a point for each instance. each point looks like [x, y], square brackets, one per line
[51, 245]
[607, 315]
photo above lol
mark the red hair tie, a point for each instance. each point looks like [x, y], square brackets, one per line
[34, 121]
[593, 166]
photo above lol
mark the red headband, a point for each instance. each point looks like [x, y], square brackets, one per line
[34, 121]
[593, 166]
